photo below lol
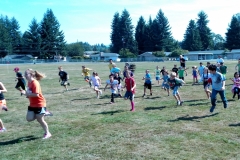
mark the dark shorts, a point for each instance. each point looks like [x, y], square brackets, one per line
[205, 84]
[129, 95]
[20, 84]
[64, 83]
[183, 65]
[148, 85]
[37, 110]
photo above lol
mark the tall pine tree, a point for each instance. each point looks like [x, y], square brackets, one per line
[192, 40]
[233, 34]
[53, 42]
[139, 34]
[4, 38]
[115, 37]
[32, 39]
[148, 43]
[204, 31]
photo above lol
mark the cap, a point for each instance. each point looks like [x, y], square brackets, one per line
[200, 62]
[16, 69]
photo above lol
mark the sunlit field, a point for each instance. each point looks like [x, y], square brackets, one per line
[84, 127]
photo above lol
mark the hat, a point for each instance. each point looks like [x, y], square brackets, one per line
[16, 69]
[200, 62]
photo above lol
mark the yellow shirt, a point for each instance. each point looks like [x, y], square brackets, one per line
[110, 66]
[85, 71]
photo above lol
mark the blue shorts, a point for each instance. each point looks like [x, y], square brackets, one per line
[129, 95]
[157, 78]
[175, 90]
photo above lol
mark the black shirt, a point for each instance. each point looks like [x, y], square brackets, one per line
[119, 79]
[20, 77]
[175, 70]
[63, 75]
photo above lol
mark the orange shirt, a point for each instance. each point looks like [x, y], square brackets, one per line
[39, 101]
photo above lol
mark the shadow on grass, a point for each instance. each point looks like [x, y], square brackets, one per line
[200, 103]
[234, 125]
[194, 118]
[19, 140]
[154, 108]
[81, 99]
[194, 100]
[109, 112]
[101, 104]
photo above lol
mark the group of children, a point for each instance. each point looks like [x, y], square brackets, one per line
[209, 75]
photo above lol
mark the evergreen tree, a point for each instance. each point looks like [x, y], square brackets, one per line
[204, 31]
[4, 39]
[116, 37]
[32, 39]
[148, 43]
[53, 42]
[139, 34]
[233, 34]
[15, 35]
[75, 49]
[126, 31]
[192, 40]
[161, 33]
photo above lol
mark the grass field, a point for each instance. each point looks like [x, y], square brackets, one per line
[84, 127]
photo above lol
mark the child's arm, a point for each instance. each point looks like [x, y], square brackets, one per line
[105, 87]
[179, 80]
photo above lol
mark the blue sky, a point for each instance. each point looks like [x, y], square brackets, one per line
[90, 20]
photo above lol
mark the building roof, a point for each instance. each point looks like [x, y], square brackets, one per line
[146, 54]
[106, 55]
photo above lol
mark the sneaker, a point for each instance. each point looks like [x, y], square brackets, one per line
[132, 110]
[100, 91]
[46, 136]
[3, 130]
[181, 103]
[212, 109]
[111, 102]
[143, 95]
[4, 108]
[178, 103]
[68, 84]
[225, 106]
[47, 113]
[150, 94]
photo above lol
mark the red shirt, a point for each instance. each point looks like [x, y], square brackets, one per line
[39, 101]
[130, 82]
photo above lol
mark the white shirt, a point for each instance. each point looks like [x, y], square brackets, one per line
[219, 60]
[95, 80]
[113, 85]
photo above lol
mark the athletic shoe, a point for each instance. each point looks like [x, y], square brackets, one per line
[111, 102]
[150, 94]
[69, 84]
[132, 110]
[178, 103]
[100, 91]
[47, 113]
[212, 109]
[4, 108]
[181, 103]
[46, 136]
[3, 130]
[225, 106]
[143, 95]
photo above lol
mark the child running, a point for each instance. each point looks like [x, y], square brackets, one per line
[148, 83]
[218, 86]
[119, 79]
[174, 84]
[21, 81]
[205, 79]
[85, 72]
[63, 78]
[165, 85]
[113, 87]
[157, 74]
[130, 89]
[195, 75]
[236, 85]
[96, 81]
[3, 105]
[37, 107]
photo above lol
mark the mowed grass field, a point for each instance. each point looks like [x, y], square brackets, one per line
[84, 127]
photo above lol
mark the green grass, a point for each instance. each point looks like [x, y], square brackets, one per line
[84, 127]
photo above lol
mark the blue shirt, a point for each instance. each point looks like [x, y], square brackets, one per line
[147, 78]
[217, 81]
[201, 69]
[115, 70]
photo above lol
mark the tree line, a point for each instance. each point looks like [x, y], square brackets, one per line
[45, 39]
